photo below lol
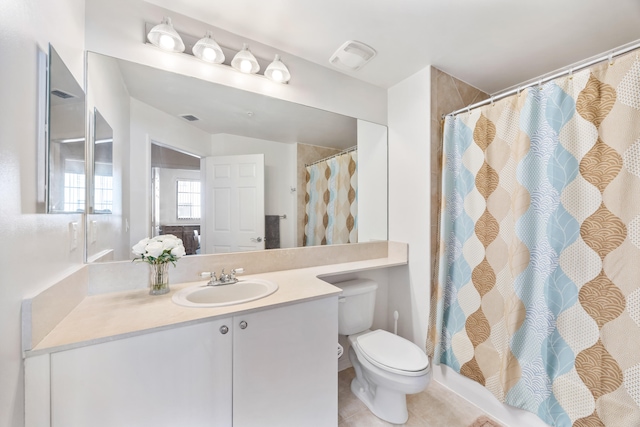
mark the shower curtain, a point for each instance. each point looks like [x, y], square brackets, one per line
[538, 288]
[331, 211]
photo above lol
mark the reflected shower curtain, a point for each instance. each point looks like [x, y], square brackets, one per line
[538, 290]
[331, 211]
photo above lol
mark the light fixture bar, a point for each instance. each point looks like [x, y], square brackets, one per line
[229, 53]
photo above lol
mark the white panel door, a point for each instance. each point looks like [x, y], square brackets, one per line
[177, 377]
[234, 203]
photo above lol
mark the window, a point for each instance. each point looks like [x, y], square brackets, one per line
[103, 194]
[188, 199]
[74, 192]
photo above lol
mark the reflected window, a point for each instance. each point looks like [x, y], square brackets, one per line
[103, 196]
[188, 199]
[74, 194]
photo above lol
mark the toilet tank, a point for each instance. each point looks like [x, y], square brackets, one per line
[356, 305]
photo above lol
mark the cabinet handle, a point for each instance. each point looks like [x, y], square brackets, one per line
[224, 329]
[243, 325]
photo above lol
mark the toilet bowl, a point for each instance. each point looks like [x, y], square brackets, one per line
[387, 366]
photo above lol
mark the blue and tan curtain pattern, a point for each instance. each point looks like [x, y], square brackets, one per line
[331, 211]
[538, 290]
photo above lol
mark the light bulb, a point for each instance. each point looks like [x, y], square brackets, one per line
[245, 62]
[245, 66]
[167, 42]
[277, 76]
[277, 71]
[208, 54]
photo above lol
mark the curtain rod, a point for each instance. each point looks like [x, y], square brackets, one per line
[580, 65]
[348, 150]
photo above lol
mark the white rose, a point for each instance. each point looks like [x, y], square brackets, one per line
[154, 249]
[178, 251]
[139, 248]
[163, 237]
[169, 244]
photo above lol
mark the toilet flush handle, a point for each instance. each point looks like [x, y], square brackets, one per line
[342, 299]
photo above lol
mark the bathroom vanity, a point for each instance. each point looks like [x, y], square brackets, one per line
[127, 358]
[278, 370]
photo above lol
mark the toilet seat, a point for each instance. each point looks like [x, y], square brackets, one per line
[392, 353]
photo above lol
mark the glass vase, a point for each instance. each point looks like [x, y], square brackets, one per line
[159, 278]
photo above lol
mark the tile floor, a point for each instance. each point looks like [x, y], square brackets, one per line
[437, 406]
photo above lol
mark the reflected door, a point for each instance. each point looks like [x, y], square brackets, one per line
[234, 203]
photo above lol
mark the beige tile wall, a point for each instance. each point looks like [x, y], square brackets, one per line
[307, 154]
[448, 94]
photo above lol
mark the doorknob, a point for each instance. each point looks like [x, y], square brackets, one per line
[256, 239]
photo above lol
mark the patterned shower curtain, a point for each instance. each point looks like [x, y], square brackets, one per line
[538, 289]
[331, 212]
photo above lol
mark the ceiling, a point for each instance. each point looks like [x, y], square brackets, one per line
[490, 44]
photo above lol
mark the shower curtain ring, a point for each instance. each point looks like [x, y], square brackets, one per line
[610, 58]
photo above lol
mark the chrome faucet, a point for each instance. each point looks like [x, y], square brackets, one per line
[225, 279]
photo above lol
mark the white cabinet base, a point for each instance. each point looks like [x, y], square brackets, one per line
[177, 377]
[285, 366]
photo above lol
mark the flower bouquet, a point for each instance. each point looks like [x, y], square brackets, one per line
[158, 252]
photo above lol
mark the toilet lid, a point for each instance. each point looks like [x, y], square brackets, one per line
[384, 348]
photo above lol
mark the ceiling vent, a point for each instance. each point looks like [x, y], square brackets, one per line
[189, 117]
[61, 94]
[352, 55]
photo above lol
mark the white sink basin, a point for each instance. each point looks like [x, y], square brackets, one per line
[221, 295]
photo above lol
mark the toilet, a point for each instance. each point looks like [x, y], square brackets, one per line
[387, 366]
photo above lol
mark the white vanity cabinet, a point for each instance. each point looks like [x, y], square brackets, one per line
[176, 377]
[285, 366]
[276, 367]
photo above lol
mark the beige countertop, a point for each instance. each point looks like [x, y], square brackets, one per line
[117, 315]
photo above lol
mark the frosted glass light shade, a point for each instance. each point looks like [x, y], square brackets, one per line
[208, 50]
[165, 37]
[277, 71]
[245, 62]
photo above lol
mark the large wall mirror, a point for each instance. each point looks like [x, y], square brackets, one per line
[66, 142]
[229, 170]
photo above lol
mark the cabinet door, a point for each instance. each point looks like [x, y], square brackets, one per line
[176, 377]
[285, 366]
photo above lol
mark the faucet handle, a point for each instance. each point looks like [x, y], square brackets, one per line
[211, 275]
[235, 271]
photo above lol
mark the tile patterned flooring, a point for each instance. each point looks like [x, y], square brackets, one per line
[437, 406]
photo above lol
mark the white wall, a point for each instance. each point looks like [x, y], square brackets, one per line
[279, 177]
[149, 124]
[372, 181]
[35, 247]
[409, 201]
[106, 92]
[116, 28]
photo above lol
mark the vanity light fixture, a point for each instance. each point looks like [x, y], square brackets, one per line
[277, 71]
[208, 50]
[245, 62]
[166, 37]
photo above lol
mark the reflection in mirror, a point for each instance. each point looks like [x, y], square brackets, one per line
[102, 201]
[228, 129]
[176, 196]
[66, 145]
